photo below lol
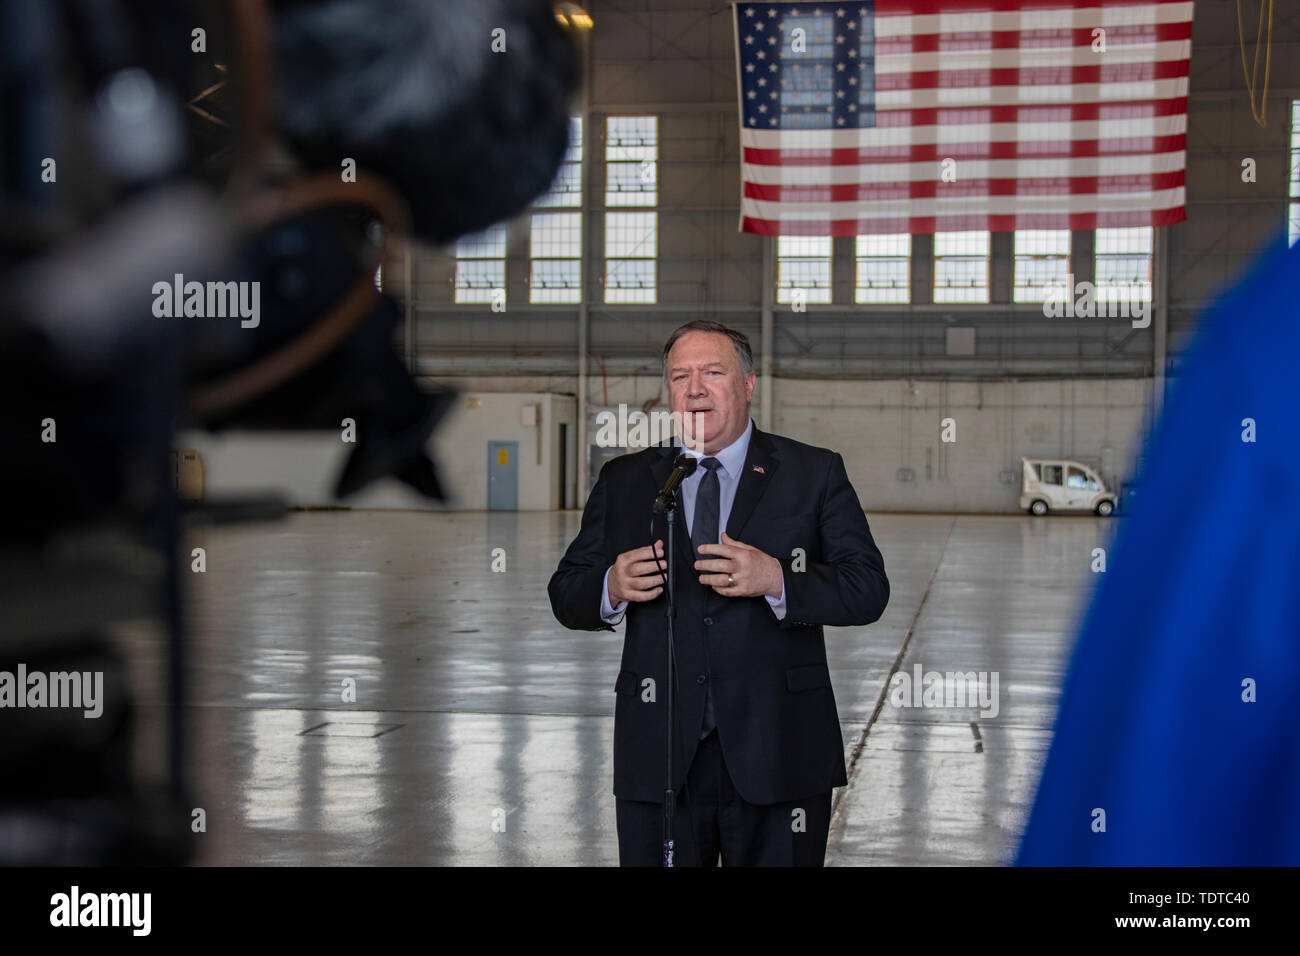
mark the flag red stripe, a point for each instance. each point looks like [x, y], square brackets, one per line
[931, 188]
[1133, 34]
[924, 8]
[978, 222]
[1013, 76]
[920, 152]
[1109, 109]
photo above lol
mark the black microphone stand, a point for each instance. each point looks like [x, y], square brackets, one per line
[669, 797]
[666, 504]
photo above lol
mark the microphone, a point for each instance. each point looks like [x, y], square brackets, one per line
[683, 466]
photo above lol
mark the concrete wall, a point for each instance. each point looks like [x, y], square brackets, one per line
[884, 425]
[879, 426]
[304, 465]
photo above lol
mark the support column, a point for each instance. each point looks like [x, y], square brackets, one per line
[584, 271]
[584, 455]
[766, 321]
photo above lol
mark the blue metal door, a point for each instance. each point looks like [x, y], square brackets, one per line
[503, 476]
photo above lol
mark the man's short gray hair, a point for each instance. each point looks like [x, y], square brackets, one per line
[739, 340]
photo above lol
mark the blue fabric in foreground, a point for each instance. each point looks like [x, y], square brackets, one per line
[1200, 601]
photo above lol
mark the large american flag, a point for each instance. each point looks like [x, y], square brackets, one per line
[849, 112]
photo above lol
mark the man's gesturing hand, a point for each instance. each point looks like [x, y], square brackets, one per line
[634, 576]
[751, 571]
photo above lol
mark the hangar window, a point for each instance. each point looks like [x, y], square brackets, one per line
[481, 264]
[803, 269]
[961, 267]
[631, 180]
[1042, 263]
[1124, 264]
[884, 269]
[555, 248]
[1294, 218]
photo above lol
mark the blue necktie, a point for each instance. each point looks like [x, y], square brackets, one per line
[704, 530]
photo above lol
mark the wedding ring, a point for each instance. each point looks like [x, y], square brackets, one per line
[731, 582]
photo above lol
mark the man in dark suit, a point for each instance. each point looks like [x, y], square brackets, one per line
[772, 545]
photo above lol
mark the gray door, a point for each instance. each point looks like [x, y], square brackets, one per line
[503, 476]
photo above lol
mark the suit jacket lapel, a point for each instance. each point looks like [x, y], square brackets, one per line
[760, 465]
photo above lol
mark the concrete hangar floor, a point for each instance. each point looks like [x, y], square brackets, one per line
[481, 731]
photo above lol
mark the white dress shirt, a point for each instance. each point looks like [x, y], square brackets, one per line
[731, 461]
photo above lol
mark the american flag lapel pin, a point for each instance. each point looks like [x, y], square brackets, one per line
[759, 469]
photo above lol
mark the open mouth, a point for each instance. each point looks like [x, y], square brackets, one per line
[697, 417]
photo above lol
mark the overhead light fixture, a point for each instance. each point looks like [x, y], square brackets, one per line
[573, 16]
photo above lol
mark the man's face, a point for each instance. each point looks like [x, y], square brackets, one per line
[708, 391]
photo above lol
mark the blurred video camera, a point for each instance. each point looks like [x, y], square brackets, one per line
[196, 197]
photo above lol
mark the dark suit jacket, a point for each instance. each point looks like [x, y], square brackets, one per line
[772, 697]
